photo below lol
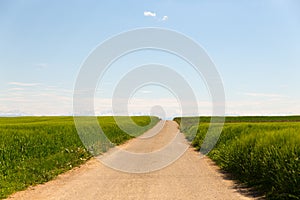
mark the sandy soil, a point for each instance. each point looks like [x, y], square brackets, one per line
[189, 177]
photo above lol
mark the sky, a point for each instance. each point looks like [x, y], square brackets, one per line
[255, 46]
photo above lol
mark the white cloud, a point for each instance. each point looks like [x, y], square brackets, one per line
[23, 84]
[149, 14]
[165, 18]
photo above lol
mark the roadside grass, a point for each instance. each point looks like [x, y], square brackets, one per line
[34, 150]
[262, 152]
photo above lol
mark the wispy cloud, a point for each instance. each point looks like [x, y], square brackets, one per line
[41, 65]
[254, 94]
[16, 89]
[149, 14]
[23, 84]
[171, 106]
[146, 91]
[165, 18]
[269, 106]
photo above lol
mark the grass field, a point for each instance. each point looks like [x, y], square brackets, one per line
[262, 152]
[36, 149]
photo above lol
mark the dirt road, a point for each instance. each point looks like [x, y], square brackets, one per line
[189, 177]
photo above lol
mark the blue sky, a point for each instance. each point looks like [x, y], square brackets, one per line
[255, 46]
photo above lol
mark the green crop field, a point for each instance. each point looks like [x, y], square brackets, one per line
[36, 149]
[261, 152]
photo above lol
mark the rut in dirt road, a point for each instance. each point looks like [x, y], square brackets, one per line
[189, 177]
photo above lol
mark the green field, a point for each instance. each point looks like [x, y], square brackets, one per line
[261, 152]
[36, 149]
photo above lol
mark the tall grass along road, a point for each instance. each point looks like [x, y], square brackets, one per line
[34, 150]
[261, 152]
[190, 177]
